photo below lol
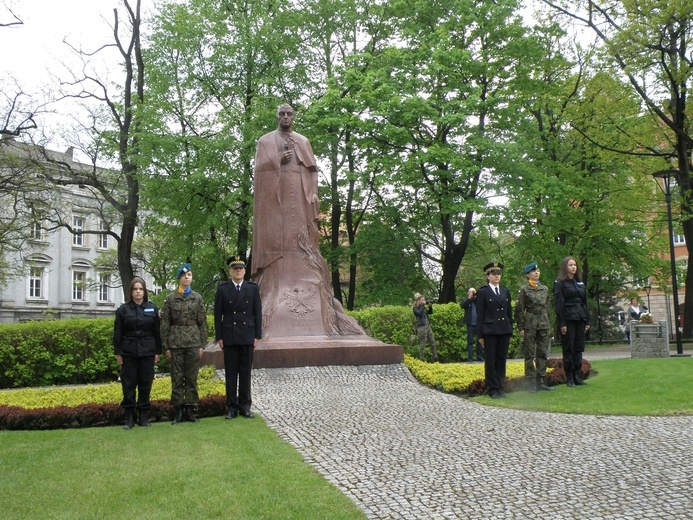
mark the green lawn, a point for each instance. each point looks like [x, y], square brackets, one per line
[662, 386]
[215, 469]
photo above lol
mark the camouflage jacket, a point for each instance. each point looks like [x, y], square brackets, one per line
[183, 321]
[532, 309]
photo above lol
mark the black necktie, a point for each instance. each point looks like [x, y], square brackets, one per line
[497, 291]
[238, 287]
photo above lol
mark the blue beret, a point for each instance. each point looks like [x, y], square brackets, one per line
[185, 268]
[530, 267]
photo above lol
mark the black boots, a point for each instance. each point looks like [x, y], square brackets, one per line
[129, 418]
[143, 420]
[578, 380]
[531, 385]
[541, 385]
[189, 414]
[569, 378]
[177, 415]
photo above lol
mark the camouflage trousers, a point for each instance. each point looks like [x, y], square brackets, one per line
[426, 338]
[185, 365]
[536, 347]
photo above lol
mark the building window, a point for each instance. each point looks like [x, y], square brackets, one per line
[78, 285]
[104, 284]
[78, 228]
[36, 230]
[679, 240]
[37, 283]
[103, 239]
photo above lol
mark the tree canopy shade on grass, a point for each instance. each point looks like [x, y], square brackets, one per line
[215, 469]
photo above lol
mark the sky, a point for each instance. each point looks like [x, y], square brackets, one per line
[37, 45]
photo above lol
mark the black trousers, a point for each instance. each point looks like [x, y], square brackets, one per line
[573, 345]
[238, 362]
[495, 356]
[137, 376]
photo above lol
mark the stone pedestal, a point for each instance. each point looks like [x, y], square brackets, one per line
[649, 340]
[301, 351]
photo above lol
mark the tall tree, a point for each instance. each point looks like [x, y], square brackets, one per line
[649, 41]
[114, 127]
[441, 108]
[217, 74]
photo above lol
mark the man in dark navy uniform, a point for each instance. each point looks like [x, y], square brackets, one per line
[494, 328]
[238, 327]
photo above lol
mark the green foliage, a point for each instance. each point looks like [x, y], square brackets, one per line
[47, 353]
[61, 352]
[457, 377]
[397, 325]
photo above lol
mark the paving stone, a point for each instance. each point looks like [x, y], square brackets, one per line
[400, 450]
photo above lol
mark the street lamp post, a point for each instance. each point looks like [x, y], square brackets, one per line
[666, 176]
[648, 288]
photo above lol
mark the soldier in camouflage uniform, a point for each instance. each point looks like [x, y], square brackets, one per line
[534, 325]
[184, 335]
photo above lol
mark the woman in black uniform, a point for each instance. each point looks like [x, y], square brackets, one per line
[572, 317]
[137, 345]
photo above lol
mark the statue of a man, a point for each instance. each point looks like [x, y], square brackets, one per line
[293, 276]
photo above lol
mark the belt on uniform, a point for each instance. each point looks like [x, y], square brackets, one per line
[185, 324]
[138, 334]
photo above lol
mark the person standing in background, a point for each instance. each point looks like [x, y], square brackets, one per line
[469, 306]
[184, 335]
[137, 346]
[534, 325]
[634, 312]
[572, 317]
[494, 328]
[423, 327]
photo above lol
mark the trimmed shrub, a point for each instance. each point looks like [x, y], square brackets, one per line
[61, 352]
[87, 406]
[396, 325]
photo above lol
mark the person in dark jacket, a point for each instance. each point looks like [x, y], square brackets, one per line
[469, 306]
[572, 317]
[494, 328]
[238, 328]
[137, 346]
[423, 326]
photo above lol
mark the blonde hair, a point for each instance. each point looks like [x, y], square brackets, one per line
[417, 296]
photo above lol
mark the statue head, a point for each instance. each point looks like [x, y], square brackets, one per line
[285, 117]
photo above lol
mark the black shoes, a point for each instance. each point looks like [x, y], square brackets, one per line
[129, 418]
[231, 414]
[246, 413]
[178, 415]
[143, 420]
[189, 414]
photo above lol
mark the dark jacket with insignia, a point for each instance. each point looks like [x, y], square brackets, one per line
[136, 331]
[570, 300]
[494, 314]
[238, 316]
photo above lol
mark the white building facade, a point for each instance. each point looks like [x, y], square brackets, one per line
[57, 270]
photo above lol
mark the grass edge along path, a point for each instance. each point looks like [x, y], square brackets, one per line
[638, 387]
[214, 469]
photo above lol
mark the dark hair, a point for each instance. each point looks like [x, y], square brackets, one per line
[135, 280]
[563, 273]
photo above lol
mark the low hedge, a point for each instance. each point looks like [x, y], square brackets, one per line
[468, 379]
[80, 351]
[61, 352]
[87, 406]
[396, 325]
